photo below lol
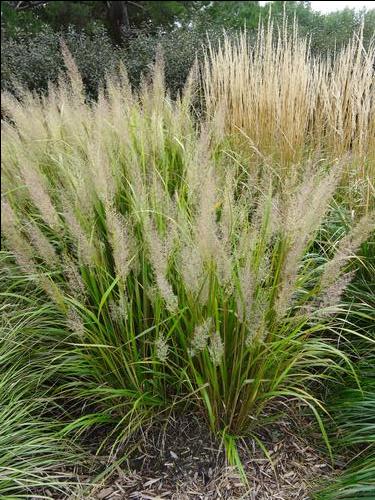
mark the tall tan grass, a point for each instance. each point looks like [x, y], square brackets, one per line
[288, 103]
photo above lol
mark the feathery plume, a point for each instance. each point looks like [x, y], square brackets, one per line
[333, 294]
[73, 73]
[42, 244]
[75, 281]
[347, 247]
[86, 249]
[216, 348]
[16, 242]
[119, 236]
[245, 292]
[205, 230]
[74, 322]
[191, 267]
[159, 260]
[162, 348]
[303, 216]
[38, 193]
[257, 320]
[200, 337]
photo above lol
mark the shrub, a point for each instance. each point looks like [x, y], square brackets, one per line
[180, 48]
[35, 60]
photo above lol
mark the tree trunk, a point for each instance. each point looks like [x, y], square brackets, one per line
[118, 17]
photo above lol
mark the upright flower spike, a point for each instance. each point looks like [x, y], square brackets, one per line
[216, 348]
[162, 349]
[200, 337]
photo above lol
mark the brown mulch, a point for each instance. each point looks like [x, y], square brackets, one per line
[182, 461]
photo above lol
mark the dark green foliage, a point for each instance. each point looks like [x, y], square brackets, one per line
[82, 15]
[14, 23]
[327, 31]
[31, 38]
[35, 60]
[59, 15]
[353, 406]
[152, 16]
[229, 15]
[179, 49]
[354, 411]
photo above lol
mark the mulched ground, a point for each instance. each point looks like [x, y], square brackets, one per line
[182, 461]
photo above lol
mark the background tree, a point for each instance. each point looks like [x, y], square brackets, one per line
[121, 18]
[100, 33]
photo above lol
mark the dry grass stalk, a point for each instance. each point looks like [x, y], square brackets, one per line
[287, 102]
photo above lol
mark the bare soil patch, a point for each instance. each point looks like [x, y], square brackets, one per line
[183, 461]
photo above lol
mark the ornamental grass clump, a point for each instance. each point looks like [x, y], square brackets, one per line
[285, 102]
[181, 274]
[31, 446]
